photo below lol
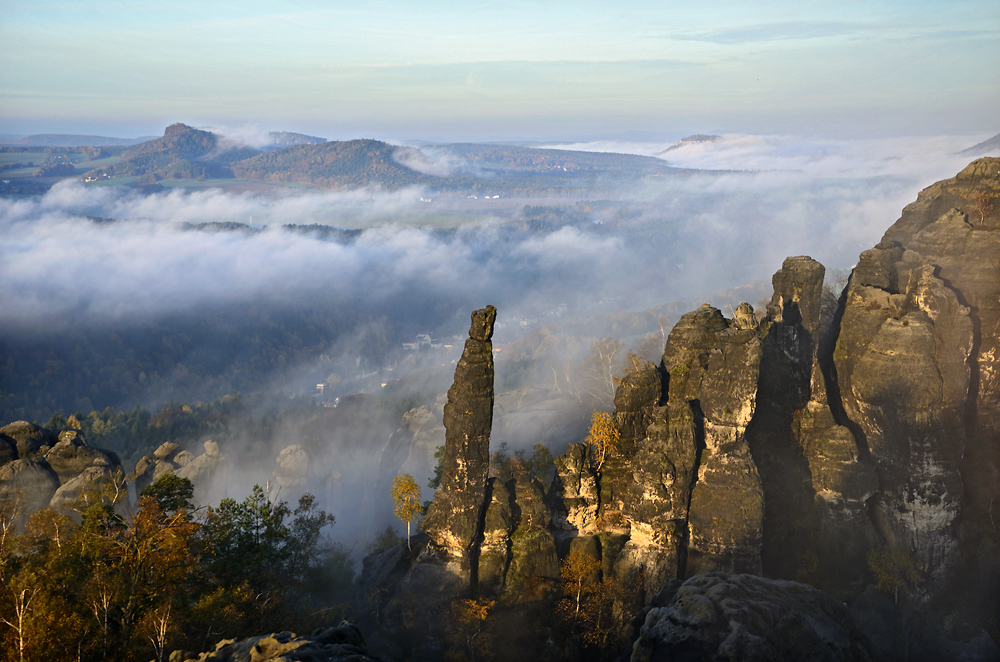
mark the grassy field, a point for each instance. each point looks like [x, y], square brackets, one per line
[22, 157]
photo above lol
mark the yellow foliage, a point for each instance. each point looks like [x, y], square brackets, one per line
[406, 500]
[893, 569]
[602, 438]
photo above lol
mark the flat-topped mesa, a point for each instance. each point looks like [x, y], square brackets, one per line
[453, 518]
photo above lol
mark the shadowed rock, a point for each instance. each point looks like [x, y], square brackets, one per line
[453, 518]
[341, 643]
[32, 441]
[26, 487]
[716, 616]
[815, 481]
[917, 362]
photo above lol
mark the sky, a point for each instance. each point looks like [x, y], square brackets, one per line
[553, 70]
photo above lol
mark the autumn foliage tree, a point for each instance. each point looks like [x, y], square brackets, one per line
[578, 572]
[112, 582]
[602, 439]
[596, 609]
[893, 569]
[406, 501]
[984, 204]
[468, 618]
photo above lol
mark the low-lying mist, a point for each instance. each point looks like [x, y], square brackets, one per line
[112, 298]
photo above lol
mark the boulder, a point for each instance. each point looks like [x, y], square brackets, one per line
[32, 441]
[342, 643]
[89, 481]
[71, 456]
[718, 616]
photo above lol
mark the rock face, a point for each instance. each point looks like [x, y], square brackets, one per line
[816, 480]
[717, 616]
[919, 369]
[453, 518]
[727, 502]
[835, 442]
[26, 487]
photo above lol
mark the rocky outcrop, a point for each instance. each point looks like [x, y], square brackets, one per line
[663, 471]
[494, 549]
[410, 449]
[533, 547]
[831, 441]
[30, 440]
[292, 469]
[8, 449]
[815, 479]
[716, 616]
[47, 468]
[713, 369]
[574, 493]
[71, 455]
[342, 643]
[727, 502]
[918, 359]
[453, 520]
[76, 489]
[204, 471]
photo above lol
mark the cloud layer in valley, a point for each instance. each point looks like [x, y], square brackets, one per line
[676, 238]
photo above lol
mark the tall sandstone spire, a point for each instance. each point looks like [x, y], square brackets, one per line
[453, 518]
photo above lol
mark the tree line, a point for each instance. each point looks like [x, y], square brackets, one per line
[108, 581]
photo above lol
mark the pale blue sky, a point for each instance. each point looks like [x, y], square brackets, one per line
[554, 69]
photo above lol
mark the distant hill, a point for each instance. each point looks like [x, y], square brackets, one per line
[70, 140]
[336, 164]
[988, 146]
[529, 159]
[691, 140]
[473, 169]
[182, 153]
[283, 139]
